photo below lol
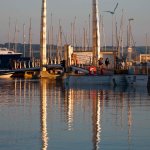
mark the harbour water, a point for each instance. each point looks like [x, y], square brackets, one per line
[45, 115]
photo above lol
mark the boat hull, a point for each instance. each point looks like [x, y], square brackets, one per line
[7, 75]
[114, 80]
[88, 80]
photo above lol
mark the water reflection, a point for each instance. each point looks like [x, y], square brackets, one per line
[43, 108]
[92, 116]
[129, 122]
[104, 97]
[96, 116]
[69, 107]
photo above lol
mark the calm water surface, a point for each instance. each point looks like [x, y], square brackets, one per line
[45, 115]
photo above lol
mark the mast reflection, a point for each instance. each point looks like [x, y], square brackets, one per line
[129, 122]
[96, 117]
[43, 109]
[69, 106]
[70, 110]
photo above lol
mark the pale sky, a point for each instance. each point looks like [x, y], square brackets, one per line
[20, 11]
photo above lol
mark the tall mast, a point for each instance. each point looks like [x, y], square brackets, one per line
[24, 40]
[146, 48]
[43, 36]
[129, 40]
[59, 45]
[71, 35]
[74, 23]
[89, 33]
[51, 37]
[84, 39]
[96, 33]
[15, 34]
[52, 41]
[30, 40]
[9, 35]
[130, 33]
[48, 46]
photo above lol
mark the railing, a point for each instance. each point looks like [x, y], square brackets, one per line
[20, 64]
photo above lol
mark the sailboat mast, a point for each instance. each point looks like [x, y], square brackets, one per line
[48, 46]
[146, 48]
[89, 33]
[9, 35]
[96, 33]
[51, 37]
[15, 34]
[30, 40]
[43, 37]
[130, 42]
[59, 47]
[24, 40]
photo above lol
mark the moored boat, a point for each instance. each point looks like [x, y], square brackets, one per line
[6, 74]
[7, 57]
[88, 80]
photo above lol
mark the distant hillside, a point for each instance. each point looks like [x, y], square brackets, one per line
[36, 48]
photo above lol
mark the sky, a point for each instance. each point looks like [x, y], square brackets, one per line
[65, 12]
